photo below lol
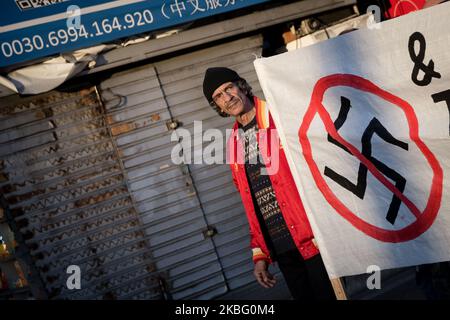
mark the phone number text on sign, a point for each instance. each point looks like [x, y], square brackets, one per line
[63, 36]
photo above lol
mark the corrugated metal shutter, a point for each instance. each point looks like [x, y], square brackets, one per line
[163, 191]
[178, 203]
[91, 183]
[63, 181]
[181, 79]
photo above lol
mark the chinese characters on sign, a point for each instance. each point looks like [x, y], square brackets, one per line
[191, 7]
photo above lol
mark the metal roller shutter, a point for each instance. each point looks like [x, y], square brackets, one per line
[64, 184]
[89, 179]
[163, 192]
[178, 203]
[181, 80]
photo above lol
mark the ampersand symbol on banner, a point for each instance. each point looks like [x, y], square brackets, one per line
[428, 70]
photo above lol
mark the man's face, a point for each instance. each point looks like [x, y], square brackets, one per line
[230, 99]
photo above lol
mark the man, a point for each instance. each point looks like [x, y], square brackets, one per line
[279, 228]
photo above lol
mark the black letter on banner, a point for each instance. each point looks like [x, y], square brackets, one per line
[428, 70]
[359, 189]
[443, 96]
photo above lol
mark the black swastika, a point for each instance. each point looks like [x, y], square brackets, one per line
[359, 189]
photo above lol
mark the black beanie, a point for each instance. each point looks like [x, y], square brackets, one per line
[215, 77]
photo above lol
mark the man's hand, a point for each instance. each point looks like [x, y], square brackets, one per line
[263, 276]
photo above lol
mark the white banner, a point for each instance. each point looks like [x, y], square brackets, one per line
[364, 121]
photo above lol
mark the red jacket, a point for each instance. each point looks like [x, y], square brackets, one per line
[283, 185]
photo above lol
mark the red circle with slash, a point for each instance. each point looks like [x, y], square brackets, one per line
[423, 219]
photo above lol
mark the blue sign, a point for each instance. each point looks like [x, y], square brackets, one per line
[31, 29]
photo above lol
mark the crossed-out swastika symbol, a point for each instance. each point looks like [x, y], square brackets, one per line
[424, 217]
[359, 189]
